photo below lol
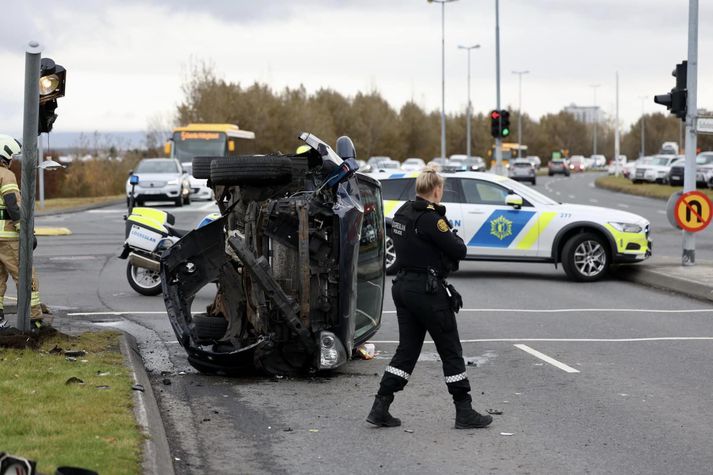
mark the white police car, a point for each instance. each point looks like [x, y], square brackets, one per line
[502, 220]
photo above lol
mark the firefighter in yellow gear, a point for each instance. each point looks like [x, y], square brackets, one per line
[9, 235]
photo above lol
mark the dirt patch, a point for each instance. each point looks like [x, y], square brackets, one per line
[16, 339]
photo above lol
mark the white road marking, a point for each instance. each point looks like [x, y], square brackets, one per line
[578, 310]
[567, 340]
[571, 197]
[622, 205]
[592, 200]
[557, 193]
[547, 359]
[661, 211]
[208, 205]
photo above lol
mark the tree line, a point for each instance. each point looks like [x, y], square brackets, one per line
[376, 128]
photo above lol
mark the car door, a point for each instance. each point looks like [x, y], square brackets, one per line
[493, 229]
[399, 190]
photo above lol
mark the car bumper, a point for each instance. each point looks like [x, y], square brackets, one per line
[630, 247]
[523, 178]
[156, 194]
[201, 193]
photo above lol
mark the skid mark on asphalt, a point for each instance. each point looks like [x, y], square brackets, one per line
[547, 359]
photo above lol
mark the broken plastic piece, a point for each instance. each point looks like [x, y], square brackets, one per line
[367, 351]
[138, 387]
[506, 433]
[496, 412]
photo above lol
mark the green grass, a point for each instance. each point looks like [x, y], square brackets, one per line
[56, 204]
[56, 424]
[651, 190]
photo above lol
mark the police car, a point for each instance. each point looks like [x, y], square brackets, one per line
[503, 220]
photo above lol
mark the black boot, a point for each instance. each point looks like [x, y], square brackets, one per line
[468, 418]
[379, 415]
[3, 322]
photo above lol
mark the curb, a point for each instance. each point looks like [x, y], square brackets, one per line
[156, 454]
[661, 280]
[78, 209]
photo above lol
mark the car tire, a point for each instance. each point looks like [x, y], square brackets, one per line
[209, 328]
[178, 201]
[534, 181]
[138, 202]
[585, 257]
[255, 170]
[392, 266]
[148, 287]
[201, 167]
[187, 199]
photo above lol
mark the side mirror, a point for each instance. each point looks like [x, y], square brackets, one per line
[134, 180]
[167, 149]
[514, 200]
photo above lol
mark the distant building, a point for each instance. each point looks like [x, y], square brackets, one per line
[586, 114]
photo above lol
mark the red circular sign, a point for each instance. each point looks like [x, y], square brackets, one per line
[693, 211]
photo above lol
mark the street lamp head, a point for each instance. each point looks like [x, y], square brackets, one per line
[521, 72]
[468, 47]
[441, 1]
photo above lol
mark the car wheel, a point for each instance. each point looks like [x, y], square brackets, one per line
[251, 170]
[201, 167]
[534, 181]
[138, 202]
[187, 200]
[585, 257]
[392, 267]
[209, 328]
[178, 201]
[550, 174]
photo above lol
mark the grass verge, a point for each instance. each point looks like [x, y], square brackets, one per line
[57, 204]
[651, 190]
[88, 424]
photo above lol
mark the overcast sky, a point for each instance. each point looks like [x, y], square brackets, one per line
[127, 59]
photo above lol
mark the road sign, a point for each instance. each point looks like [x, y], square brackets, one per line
[693, 211]
[704, 125]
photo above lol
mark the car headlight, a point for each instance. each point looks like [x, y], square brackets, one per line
[172, 182]
[332, 352]
[626, 227]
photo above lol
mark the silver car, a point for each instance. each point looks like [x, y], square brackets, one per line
[159, 179]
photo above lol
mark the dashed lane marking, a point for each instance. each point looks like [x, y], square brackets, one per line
[622, 205]
[592, 200]
[547, 359]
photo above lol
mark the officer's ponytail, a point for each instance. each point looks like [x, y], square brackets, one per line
[427, 181]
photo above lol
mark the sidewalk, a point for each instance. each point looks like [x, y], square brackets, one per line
[664, 273]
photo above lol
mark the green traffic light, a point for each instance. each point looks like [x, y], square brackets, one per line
[506, 132]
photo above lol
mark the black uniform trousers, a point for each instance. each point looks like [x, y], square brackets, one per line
[418, 313]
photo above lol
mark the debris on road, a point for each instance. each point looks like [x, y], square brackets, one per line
[496, 412]
[410, 431]
[138, 387]
[367, 351]
[166, 382]
[506, 433]
[73, 380]
[74, 353]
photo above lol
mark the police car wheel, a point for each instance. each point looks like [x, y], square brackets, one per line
[391, 264]
[259, 170]
[585, 257]
[144, 281]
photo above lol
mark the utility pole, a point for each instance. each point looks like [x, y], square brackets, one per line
[617, 165]
[469, 112]
[643, 127]
[689, 175]
[519, 111]
[29, 165]
[498, 141]
[596, 118]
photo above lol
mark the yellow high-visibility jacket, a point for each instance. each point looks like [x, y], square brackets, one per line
[8, 184]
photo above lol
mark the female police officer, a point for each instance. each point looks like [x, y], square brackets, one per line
[427, 250]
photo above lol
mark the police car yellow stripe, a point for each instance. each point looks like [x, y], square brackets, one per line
[530, 239]
[390, 207]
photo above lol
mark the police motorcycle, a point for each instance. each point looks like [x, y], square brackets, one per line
[148, 233]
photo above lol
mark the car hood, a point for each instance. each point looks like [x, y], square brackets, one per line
[602, 215]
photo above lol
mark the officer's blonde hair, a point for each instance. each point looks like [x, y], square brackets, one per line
[428, 180]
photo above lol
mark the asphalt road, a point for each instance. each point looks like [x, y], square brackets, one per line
[628, 388]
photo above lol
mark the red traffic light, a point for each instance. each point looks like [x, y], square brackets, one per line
[495, 115]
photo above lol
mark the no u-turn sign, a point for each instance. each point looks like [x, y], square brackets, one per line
[692, 211]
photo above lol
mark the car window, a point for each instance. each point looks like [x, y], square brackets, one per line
[483, 192]
[704, 159]
[395, 189]
[157, 166]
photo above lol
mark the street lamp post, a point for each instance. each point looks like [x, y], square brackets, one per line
[596, 118]
[519, 112]
[643, 127]
[470, 107]
[443, 73]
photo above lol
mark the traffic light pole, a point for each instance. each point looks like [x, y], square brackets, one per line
[29, 166]
[689, 176]
[498, 140]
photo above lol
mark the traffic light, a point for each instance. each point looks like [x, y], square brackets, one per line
[495, 124]
[676, 100]
[504, 123]
[52, 83]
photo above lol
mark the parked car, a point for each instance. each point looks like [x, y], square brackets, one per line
[472, 164]
[438, 163]
[522, 169]
[614, 163]
[655, 170]
[199, 187]
[704, 170]
[160, 179]
[500, 219]
[630, 167]
[535, 160]
[413, 165]
[558, 165]
[387, 165]
[600, 161]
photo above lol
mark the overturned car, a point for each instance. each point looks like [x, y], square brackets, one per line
[297, 257]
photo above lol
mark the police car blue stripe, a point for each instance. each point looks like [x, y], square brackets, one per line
[501, 228]
[397, 175]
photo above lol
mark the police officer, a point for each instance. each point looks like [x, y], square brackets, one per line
[9, 236]
[427, 250]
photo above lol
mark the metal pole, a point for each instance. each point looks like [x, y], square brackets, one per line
[616, 130]
[41, 158]
[443, 80]
[29, 165]
[689, 176]
[643, 128]
[519, 112]
[498, 141]
[596, 118]
[469, 112]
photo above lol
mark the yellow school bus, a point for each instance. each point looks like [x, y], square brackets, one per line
[208, 140]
